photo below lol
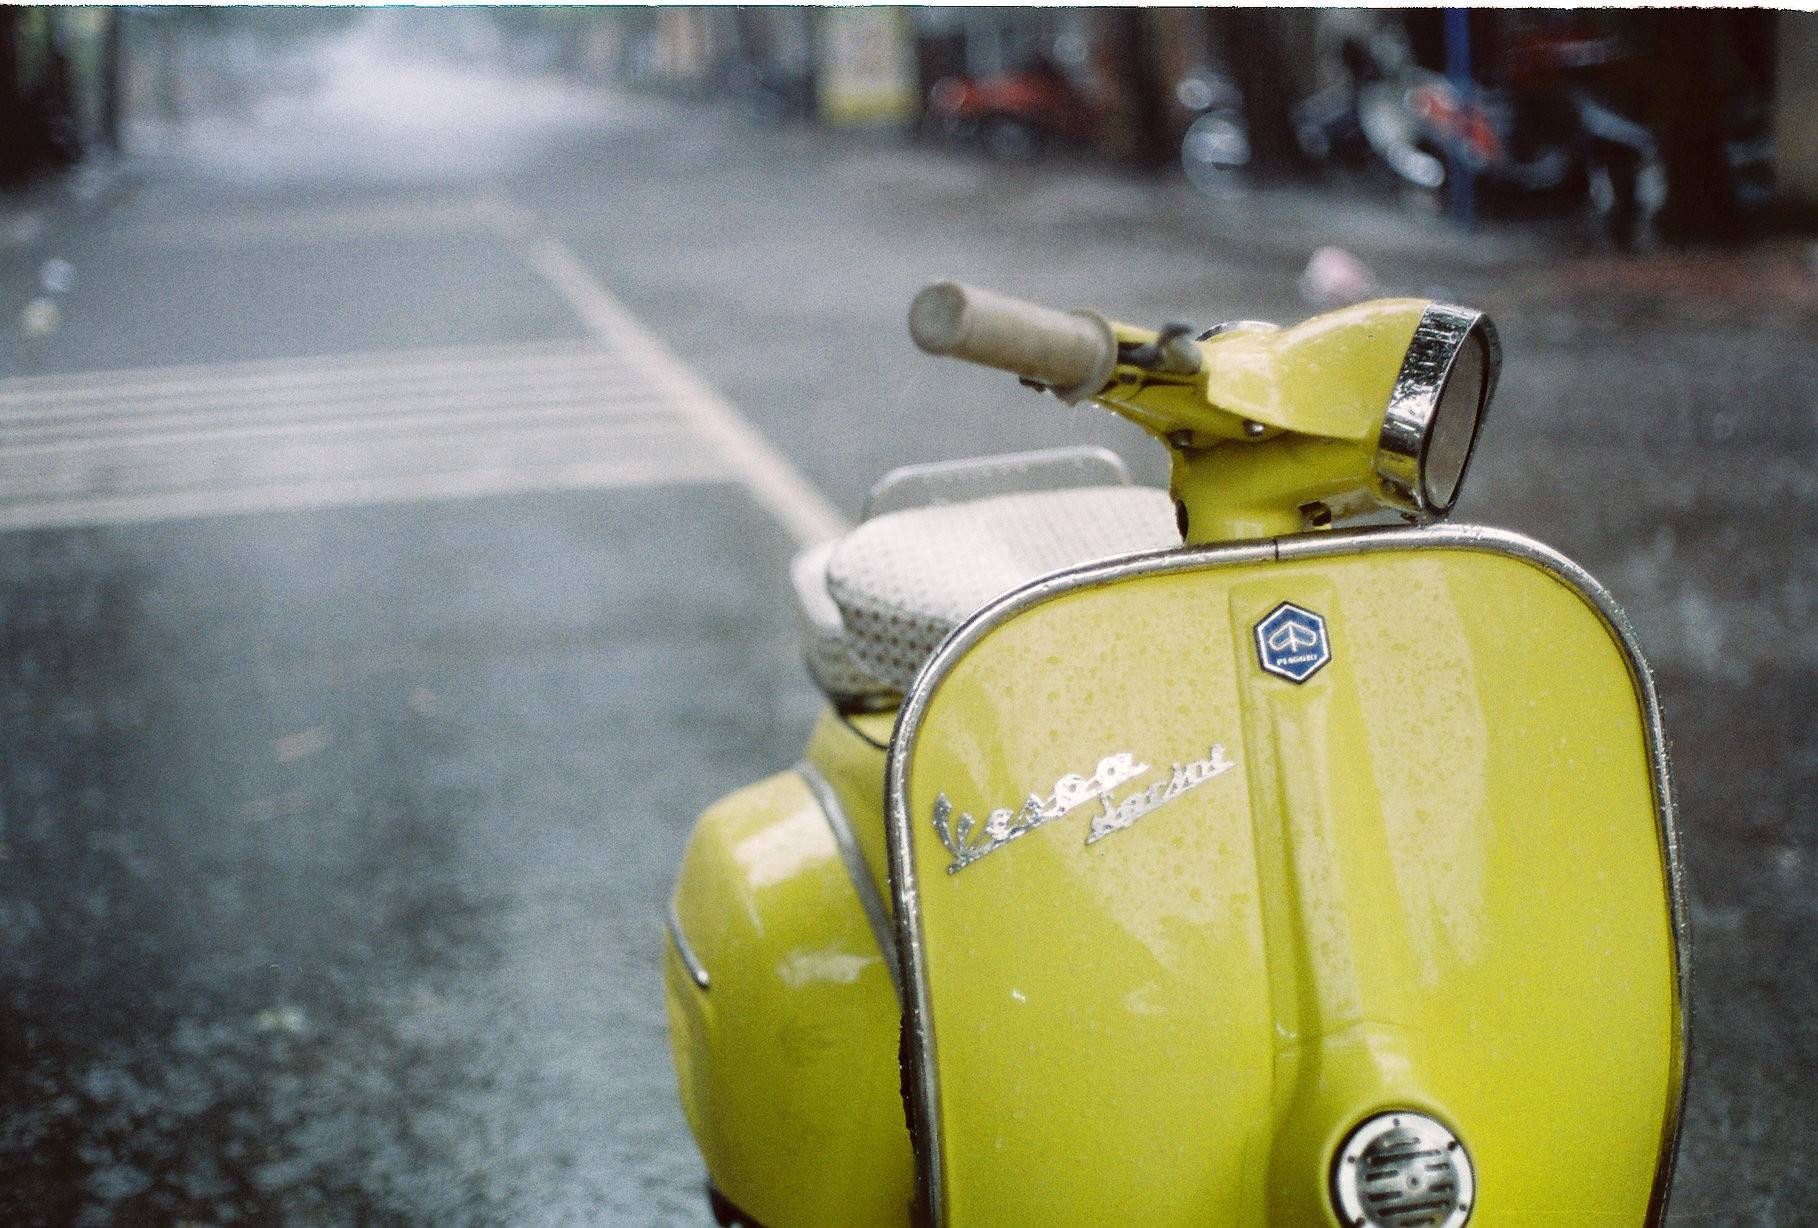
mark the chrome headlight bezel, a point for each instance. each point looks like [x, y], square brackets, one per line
[1443, 335]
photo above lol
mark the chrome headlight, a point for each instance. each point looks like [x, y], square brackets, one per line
[1435, 409]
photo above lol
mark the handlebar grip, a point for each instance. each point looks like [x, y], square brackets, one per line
[1073, 352]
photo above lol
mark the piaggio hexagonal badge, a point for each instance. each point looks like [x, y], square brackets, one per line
[1291, 642]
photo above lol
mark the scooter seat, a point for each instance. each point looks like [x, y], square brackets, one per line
[825, 644]
[904, 580]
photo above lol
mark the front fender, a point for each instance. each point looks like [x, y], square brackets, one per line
[786, 1056]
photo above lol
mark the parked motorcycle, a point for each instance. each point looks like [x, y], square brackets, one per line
[1362, 118]
[1195, 861]
[1549, 136]
[1013, 114]
[1417, 123]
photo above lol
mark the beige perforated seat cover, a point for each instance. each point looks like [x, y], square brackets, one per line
[825, 644]
[902, 581]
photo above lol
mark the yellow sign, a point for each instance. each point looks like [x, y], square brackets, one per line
[867, 66]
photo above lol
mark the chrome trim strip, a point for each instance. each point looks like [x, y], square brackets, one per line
[920, 1051]
[1407, 424]
[856, 869]
[977, 477]
[696, 972]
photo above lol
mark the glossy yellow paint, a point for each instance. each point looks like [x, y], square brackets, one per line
[1328, 376]
[850, 754]
[1316, 393]
[787, 1061]
[1434, 880]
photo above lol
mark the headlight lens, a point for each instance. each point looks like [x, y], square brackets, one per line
[1454, 425]
[1435, 410]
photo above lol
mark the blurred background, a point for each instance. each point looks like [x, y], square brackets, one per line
[406, 419]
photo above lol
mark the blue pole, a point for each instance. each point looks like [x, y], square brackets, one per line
[1463, 196]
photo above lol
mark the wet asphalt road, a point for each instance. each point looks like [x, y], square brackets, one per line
[334, 840]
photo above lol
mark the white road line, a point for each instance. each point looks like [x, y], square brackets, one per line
[219, 500]
[607, 374]
[291, 373]
[180, 465]
[276, 405]
[503, 416]
[777, 485]
[313, 362]
[203, 440]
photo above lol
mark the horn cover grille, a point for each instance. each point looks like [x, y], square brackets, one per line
[1403, 1170]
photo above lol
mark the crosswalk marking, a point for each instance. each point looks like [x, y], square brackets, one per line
[617, 409]
[275, 413]
[510, 412]
[464, 361]
[323, 492]
[101, 447]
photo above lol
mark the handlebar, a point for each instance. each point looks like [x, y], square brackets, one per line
[1072, 352]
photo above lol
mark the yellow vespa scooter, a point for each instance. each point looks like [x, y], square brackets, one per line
[1171, 858]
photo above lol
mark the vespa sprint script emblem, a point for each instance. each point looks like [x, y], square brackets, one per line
[1291, 642]
[967, 842]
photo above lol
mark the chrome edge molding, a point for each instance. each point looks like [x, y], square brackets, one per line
[921, 1054]
[1401, 449]
[856, 869]
[696, 972]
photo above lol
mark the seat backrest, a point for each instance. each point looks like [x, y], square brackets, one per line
[979, 477]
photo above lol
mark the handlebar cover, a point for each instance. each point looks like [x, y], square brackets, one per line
[1072, 352]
